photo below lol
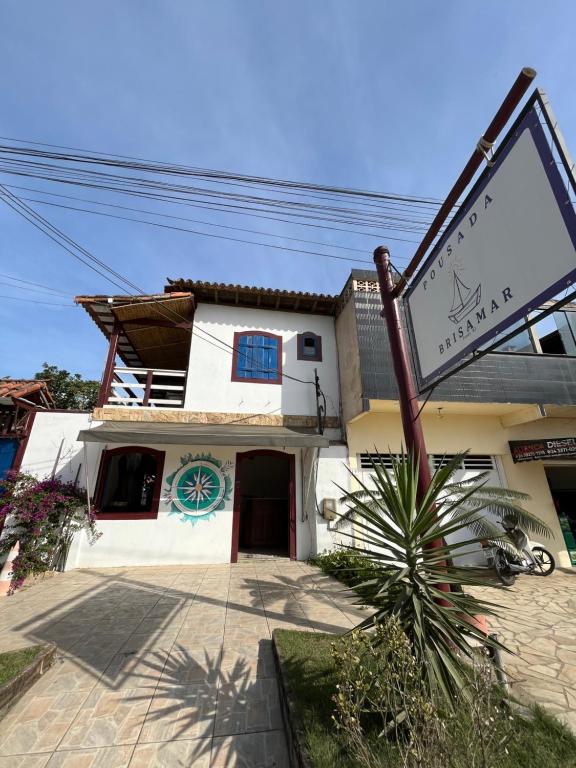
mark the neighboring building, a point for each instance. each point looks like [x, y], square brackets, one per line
[209, 440]
[526, 392]
[19, 400]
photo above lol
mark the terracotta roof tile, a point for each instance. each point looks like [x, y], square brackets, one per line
[21, 387]
[248, 295]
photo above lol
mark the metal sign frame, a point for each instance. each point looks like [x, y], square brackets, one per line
[560, 187]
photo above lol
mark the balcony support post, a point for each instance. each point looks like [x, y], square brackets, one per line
[148, 387]
[108, 375]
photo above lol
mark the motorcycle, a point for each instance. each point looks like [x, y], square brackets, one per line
[526, 556]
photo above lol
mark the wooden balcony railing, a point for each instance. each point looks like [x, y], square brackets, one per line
[147, 387]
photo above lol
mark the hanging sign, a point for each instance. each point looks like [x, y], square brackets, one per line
[510, 246]
[549, 448]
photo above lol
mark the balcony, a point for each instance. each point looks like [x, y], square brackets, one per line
[146, 388]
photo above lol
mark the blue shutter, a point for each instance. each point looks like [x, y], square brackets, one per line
[257, 357]
[273, 359]
[243, 357]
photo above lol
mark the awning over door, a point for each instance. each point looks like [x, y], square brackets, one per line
[156, 433]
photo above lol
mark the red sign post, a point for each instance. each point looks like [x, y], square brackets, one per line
[389, 292]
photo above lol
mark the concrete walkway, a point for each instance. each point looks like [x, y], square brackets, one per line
[163, 666]
[173, 666]
[537, 621]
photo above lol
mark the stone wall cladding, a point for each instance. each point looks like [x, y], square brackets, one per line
[202, 417]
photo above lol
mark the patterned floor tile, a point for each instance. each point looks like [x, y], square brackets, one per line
[104, 757]
[25, 761]
[248, 705]
[109, 718]
[254, 660]
[186, 666]
[257, 750]
[173, 754]
[38, 722]
[141, 669]
[186, 712]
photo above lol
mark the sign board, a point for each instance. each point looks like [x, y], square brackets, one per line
[510, 247]
[547, 448]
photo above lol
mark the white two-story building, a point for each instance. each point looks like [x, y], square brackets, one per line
[217, 433]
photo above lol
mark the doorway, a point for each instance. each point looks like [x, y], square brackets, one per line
[562, 482]
[264, 519]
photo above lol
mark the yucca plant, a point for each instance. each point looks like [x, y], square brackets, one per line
[397, 531]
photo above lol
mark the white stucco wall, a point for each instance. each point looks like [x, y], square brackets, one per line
[169, 539]
[52, 448]
[325, 470]
[209, 385]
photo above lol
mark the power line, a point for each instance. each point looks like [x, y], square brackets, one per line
[230, 203]
[283, 187]
[30, 282]
[202, 234]
[121, 277]
[39, 221]
[182, 218]
[34, 301]
[238, 210]
[90, 156]
[33, 290]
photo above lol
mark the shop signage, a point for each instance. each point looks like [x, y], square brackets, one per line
[547, 448]
[510, 247]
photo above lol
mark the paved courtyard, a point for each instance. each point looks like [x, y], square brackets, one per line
[537, 620]
[173, 666]
[163, 666]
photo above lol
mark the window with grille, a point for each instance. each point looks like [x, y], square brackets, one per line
[257, 357]
[384, 460]
[474, 462]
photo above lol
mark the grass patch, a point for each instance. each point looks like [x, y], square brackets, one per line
[538, 741]
[13, 662]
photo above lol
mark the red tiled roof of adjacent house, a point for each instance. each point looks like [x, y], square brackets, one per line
[23, 387]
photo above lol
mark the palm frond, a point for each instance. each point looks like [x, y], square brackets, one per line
[395, 532]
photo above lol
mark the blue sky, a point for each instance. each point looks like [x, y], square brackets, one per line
[387, 96]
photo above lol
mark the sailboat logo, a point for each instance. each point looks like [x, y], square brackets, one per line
[465, 300]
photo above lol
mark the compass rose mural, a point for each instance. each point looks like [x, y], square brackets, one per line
[199, 488]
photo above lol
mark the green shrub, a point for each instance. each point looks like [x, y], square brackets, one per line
[384, 713]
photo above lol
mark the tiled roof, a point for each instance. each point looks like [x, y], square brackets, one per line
[21, 387]
[253, 296]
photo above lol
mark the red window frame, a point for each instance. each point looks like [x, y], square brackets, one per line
[124, 515]
[237, 336]
[317, 358]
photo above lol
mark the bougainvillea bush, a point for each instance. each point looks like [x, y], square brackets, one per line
[43, 516]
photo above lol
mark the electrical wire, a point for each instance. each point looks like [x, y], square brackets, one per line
[172, 194]
[30, 282]
[17, 204]
[181, 218]
[321, 212]
[34, 301]
[33, 290]
[91, 156]
[236, 211]
[130, 284]
[202, 234]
